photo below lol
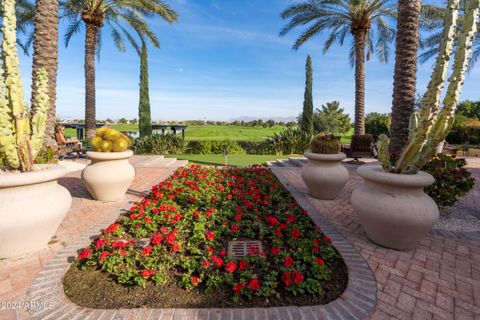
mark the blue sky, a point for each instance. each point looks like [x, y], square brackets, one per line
[223, 59]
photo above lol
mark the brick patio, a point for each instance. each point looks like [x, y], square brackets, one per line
[439, 279]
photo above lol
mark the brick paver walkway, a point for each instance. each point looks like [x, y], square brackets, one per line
[439, 279]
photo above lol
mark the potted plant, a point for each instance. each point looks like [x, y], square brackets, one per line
[32, 203]
[110, 173]
[391, 205]
[324, 174]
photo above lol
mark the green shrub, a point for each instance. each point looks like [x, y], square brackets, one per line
[256, 147]
[452, 180]
[214, 147]
[160, 144]
[377, 124]
[289, 141]
[47, 155]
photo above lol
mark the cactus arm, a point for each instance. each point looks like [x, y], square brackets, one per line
[431, 100]
[14, 88]
[413, 123]
[445, 119]
[39, 119]
[383, 152]
[7, 136]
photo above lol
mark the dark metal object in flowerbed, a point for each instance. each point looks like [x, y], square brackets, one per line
[171, 249]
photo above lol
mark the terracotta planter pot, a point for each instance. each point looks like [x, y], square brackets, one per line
[32, 206]
[324, 175]
[109, 175]
[392, 208]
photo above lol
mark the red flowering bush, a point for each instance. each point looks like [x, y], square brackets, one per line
[180, 231]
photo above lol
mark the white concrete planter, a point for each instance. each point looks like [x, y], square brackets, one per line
[109, 175]
[324, 174]
[32, 206]
[392, 208]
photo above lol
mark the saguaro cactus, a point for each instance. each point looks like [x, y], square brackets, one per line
[21, 132]
[435, 123]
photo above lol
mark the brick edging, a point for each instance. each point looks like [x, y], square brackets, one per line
[356, 302]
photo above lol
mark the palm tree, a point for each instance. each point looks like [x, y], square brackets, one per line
[405, 76]
[120, 16]
[365, 20]
[45, 55]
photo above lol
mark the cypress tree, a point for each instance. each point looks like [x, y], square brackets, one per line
[306, 123]
[144, 114]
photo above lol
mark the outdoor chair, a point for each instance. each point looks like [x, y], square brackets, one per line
[361, 146]
[68, 149]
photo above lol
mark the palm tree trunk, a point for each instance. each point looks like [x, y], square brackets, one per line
[45, 55]
[405, 76]
[360, 37]
[90, 47]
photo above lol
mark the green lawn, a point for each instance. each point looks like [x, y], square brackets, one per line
[241, 160]
[210, 132]
[214, 132]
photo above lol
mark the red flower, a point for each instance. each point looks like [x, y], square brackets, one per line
[147, 273]
[191, 199]
[171, 237]
[196, 214]
[288, 261]
[287, 278]
[272, 220]
[147, 250]
[238, 288]
[222, 253]
[276, 251]
[278, 232]
[205, 264]
[217, 260]
[163, 230]
[231, 267]
[100, 243]
[254, 285]
[85, 254]
[319, 261]
[176, 247]
[195, 280]
[234, 228]
[297, 277]
[103, 256]
[209, 235]
[157, 238]
[326, 239]
[148, 220]
[291, 219]
[111, 228]
[243, 265]
[295, 233]
[178, 216]
[230, 196]
[238, 217]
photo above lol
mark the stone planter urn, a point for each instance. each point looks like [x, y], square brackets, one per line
[392, 208]
[32, 206]
[109, 175]
[324, 174]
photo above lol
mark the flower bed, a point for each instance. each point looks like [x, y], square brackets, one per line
[175, 240]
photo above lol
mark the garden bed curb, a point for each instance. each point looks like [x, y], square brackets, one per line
[356, 302]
